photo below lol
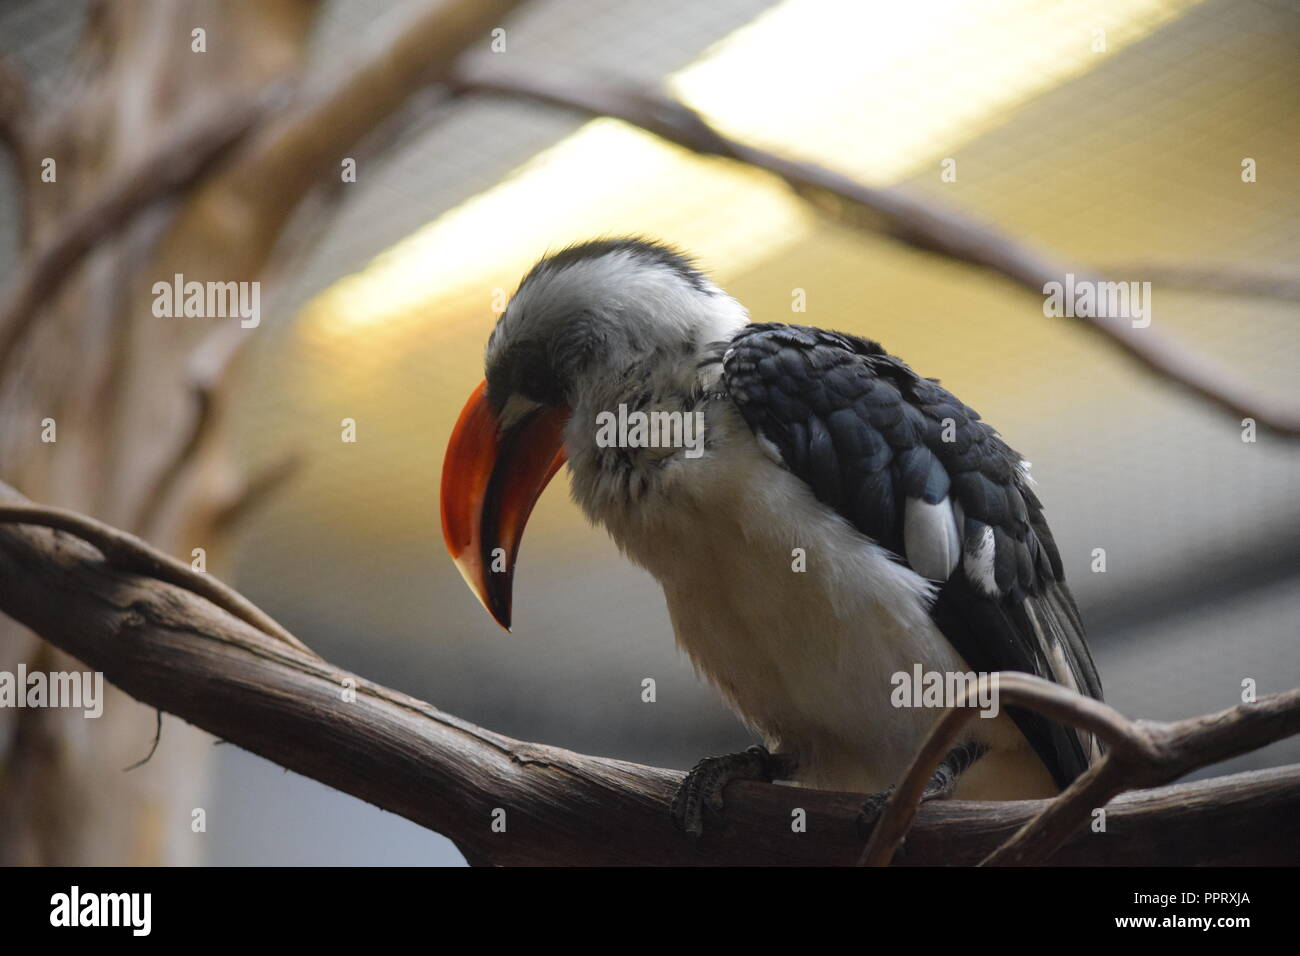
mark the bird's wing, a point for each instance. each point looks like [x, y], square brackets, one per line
[915, 470]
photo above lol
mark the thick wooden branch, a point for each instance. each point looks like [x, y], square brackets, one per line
[173, 649]
[921, 223]
[126, 552]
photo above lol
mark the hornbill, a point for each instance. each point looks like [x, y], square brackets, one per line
[919, 534]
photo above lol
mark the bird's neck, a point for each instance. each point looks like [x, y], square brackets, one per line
[633, 432]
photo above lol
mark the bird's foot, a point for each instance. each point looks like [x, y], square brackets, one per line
[942, 785]
[703, 786]
[874, 806]
[871, 810]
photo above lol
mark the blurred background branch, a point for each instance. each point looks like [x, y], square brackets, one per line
[173, 148]
[925, 225]
[176, 165]
[1221, 281]
[14, 122]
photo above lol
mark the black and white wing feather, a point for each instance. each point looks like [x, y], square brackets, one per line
[915, 470]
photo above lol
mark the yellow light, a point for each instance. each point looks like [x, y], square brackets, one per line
[606, 179]
[874, 90]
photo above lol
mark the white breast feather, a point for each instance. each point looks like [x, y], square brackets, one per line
[806, 658]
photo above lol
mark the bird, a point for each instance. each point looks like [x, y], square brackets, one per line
[835, 521]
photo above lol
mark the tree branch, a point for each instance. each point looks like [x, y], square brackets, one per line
[920, 223]
[1139, 754]
[416, 47]
[174, 650]
[1150, 754]
[207, 369]
[129, 553]
[13, 109]
[1217, 279]
[253, 492]
[15, 134]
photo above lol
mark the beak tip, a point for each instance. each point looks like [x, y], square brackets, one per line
[500, 611]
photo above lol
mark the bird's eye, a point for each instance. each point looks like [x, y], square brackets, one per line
[534, 383]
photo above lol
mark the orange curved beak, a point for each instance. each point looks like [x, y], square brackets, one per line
[490, 482]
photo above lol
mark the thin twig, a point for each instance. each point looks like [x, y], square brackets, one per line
[1161, 753]
[1051, 700]
[921, 223]
[153, 747]
[255, 491]
[1139, 754]
[206, 369]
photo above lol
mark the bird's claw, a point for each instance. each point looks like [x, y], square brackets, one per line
[703, 786]
[871, 810]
